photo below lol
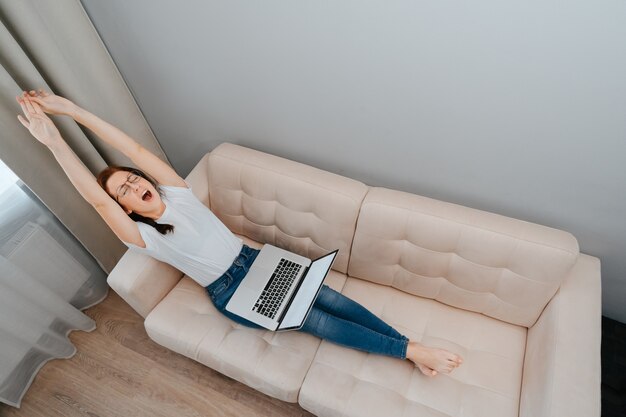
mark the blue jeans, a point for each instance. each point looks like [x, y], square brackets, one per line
[333, 317]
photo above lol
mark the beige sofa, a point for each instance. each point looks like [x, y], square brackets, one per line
[517, 300]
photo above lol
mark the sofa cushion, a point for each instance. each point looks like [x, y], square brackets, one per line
[471, 259]
[347, 382]
[274, 363]
[285, 203]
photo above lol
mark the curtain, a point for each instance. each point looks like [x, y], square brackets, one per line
[52, 44]
[46, 278]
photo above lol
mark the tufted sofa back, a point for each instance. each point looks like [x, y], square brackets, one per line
[479, 261]
[285, 203]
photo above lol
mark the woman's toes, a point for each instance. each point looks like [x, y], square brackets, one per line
[455, 360]
[426, 370]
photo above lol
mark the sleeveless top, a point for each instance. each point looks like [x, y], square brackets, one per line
[200, 245]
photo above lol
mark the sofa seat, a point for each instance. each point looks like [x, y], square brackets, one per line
[346, 382]
[274, 363]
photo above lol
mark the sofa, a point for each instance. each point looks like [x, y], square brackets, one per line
[517, 300]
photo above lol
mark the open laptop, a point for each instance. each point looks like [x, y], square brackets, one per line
[280, 288]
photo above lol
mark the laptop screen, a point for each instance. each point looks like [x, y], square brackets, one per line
[307, 291]
[320, 267]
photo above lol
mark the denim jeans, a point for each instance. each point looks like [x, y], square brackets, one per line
[333, 317]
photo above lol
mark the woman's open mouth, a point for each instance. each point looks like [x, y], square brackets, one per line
[147, 196]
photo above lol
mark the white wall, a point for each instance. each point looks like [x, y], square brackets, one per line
[515, 107]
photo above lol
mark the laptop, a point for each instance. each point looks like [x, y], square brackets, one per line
[280, 288]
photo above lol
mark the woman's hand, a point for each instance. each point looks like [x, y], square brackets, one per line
[37, 122]
[51, 103]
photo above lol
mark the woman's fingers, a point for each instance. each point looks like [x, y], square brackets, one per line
[36, 107]
[36, 96]
[38, 100]
[35, 99]
[41, 92]
[24, 108]
[23, 121]
[29, 105]
[35, 93]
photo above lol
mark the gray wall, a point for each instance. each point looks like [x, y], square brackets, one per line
[512, 107]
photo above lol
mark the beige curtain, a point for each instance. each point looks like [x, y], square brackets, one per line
[52, 44]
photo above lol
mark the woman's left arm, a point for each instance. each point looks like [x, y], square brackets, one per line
[142, 157]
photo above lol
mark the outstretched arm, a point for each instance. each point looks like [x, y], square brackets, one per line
[44, 130]
[144, 159]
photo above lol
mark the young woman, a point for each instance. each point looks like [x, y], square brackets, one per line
[153, 211]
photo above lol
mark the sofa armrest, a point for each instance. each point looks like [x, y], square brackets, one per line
[142, 281]
[198, 178]
[562, 363]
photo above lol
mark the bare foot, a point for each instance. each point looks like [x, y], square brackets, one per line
[439, 360]
[426, 370]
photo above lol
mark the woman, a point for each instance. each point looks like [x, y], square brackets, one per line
[153, 211]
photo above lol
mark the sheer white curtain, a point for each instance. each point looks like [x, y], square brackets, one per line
[31, 332]
[55, 250]
[46, 278]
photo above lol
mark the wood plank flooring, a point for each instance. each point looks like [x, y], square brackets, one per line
[119, 371]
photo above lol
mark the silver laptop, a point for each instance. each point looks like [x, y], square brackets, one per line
[280, 288]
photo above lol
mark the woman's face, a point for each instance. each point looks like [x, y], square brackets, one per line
[134, 193]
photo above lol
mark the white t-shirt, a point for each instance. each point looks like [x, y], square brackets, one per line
[200, 245]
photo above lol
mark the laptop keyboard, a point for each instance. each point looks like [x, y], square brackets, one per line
[277, 287]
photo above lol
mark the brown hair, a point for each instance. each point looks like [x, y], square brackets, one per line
[104, 176]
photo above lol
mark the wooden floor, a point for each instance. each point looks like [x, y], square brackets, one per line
[119, 371]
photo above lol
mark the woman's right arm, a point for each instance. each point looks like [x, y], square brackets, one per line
[44, 130]
[144, 159]
[113, 215]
